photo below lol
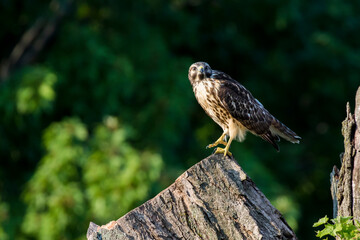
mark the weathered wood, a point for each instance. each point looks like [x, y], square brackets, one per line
[356, 168]
[345, 184]
[214, 199]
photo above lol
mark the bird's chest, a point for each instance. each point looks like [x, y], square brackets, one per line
[206, 93]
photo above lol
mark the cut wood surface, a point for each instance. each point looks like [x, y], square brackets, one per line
[214, 199]
[345, 183]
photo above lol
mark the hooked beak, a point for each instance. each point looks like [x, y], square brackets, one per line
[201, 69]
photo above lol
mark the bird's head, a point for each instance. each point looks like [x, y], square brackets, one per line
[199, 71]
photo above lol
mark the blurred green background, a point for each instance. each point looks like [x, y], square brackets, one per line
[97, 114]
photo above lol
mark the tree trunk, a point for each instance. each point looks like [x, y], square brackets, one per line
[214, 199]
[345, 184]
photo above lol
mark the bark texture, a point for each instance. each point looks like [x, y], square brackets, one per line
[345, 184]
[214, 199]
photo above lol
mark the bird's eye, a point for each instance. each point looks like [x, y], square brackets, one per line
[193, 68]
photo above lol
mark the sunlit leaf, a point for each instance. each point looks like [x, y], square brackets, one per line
[321, 221]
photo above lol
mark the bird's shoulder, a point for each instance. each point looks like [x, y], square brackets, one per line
[229, 87]
[220, 75]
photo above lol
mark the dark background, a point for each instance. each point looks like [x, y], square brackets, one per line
[98, 115]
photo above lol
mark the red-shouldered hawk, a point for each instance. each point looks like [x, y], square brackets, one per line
[234, 109]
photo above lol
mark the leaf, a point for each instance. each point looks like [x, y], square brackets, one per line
[328, 230]
[343, 220]
[321, 221]
[337, 228]
[357, 223]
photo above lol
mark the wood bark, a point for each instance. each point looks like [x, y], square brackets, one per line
[214, 199]
[345, 183]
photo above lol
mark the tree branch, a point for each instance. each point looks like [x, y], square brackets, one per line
[34, 39]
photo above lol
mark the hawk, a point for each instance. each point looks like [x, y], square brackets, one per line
[234, 109]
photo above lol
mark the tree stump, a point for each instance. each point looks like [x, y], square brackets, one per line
[345, 184]
[214, 199]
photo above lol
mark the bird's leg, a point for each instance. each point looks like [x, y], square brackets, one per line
[217, 142]
[225, 150]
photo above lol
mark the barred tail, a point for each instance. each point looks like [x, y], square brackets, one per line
[279, 129]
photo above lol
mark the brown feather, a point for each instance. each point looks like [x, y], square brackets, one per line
[271, 139]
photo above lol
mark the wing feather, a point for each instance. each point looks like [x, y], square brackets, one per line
[242, 106]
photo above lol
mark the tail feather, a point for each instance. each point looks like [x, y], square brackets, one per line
[272, 139]
[279, 129]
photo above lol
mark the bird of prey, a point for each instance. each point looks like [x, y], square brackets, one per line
[234, 109]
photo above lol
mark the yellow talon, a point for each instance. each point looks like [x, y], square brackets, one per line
[224, 151]
[217, 142]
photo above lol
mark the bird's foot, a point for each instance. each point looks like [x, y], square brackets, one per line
[223, 151]
[216, 143]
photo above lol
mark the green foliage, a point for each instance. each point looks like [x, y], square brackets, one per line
[288, 207]
[36, 90]
[115, 174]
[83, 176]
[54, 194]
[342, 227]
